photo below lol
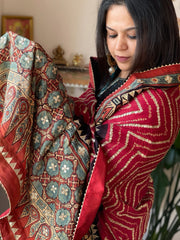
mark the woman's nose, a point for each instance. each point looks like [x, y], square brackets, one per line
[121, 43]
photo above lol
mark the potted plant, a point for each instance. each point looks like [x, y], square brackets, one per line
[165, 218]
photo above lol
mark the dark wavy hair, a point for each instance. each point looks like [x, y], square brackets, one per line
[158, 41]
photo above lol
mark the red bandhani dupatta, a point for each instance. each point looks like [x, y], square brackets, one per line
[134, 127]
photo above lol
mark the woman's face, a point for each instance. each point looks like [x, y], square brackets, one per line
[121, 37]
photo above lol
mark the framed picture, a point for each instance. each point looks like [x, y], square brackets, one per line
[21, 25]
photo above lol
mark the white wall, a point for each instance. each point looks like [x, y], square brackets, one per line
[69, 23]
[177, 7]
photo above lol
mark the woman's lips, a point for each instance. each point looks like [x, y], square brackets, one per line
[122, 59]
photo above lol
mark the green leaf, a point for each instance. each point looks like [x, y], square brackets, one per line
[173, 231]
[178, 211]
[169, 159]
[177, 141]
[159, 177]
[155, 236]
[160, 183]
[177, 156]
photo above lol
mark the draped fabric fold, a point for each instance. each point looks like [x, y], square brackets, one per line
[43, 159]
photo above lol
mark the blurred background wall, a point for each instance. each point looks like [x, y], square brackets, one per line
[70, 24]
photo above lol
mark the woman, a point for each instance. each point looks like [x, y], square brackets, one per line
[132, 131]
[85, 171]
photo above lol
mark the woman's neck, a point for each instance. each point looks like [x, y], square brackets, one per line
[124, 74]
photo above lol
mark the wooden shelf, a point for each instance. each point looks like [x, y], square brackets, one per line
[74, 76]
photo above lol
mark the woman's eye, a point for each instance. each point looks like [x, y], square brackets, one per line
[112, 35]
[132, 36]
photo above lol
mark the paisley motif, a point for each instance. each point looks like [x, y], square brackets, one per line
[37, 128]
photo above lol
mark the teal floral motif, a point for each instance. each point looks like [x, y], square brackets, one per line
[13, 66]
[66, 169]
[80, 172]
[36, 140]
[38, 187]
[41, 204]
[41, 89]
[45, 147]
[26, 60]
[67, 110]
[61, 86]
[40, 59]
[71, 129]
[44, 120]
[79, 194]
[52, 206]
[58, 128]
[67, 149]
[64, 193]
[4, 41]
[55, 99]
[22, 42]
[71, 104]
[38, 168]
[52, 189]
[55, 146]
[81, 150]
[62, 217]
[51, 71]
[52, 167]
[62, 236]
